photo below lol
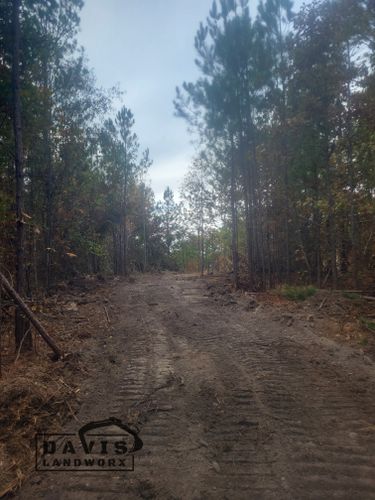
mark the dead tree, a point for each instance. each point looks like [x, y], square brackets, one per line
[29, 315]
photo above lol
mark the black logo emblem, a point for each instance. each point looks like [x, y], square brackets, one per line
[105, 445]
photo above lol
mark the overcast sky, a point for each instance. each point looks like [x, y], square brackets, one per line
[147, 47]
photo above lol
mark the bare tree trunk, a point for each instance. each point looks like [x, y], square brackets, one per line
[33, 239]
[261, 243]
[249, 251]
[21, 325]
[144, 231]
[199, 246]
[202, 250]
[317, 217]
[331, 215]
[234, 217]
[332, 227]
[34, 259]
[353, 225]
[47, 119]
[286, 213]
[317, 229]
[125, 207]
[121, 249]
[125, 248]
[248, 199]
[284, 147]
[352, 182]
[114, 250]
[256, 214]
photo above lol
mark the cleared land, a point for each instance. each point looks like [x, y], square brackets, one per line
[231, 403]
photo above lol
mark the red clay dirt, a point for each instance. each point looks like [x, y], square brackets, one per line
[231, 403]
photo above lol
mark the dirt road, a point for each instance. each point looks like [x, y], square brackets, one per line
[231, 404]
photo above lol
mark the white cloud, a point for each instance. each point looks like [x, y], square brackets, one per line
[169, 172]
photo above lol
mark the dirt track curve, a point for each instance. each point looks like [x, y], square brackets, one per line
[231, 404]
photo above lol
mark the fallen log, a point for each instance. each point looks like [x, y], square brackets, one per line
[366, 297]
[27, 312]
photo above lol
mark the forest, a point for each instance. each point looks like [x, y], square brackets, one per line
[283, 111]
[212, 324]
[282, 186]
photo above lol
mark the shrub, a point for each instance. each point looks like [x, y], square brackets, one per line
[352, 295]
[298, 292]
[368, 323]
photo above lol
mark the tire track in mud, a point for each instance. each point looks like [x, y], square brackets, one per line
[229, 405]
[324, 428]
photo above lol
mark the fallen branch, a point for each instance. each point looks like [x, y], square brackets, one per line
[366, 297]
[7, 312]
[106, 313]
[322, 303]
[71, 411]
[27, 312]
[20, 346]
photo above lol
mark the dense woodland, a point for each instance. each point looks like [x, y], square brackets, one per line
[283, 115]
[282, 188]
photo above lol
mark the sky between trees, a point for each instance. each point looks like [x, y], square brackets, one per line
[147, 46]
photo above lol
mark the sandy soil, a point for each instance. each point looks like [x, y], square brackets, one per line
[232, 404]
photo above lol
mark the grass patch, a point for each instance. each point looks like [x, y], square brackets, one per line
[298, 292]
[368, 323]
[352, 295]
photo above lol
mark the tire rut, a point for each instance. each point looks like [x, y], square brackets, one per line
[228, 405]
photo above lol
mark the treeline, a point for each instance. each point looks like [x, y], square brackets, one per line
[284, 114]
[281, 190]
[74, 198]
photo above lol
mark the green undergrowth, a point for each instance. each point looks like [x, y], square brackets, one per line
[368, 323]
[298, 292]
[352, 295]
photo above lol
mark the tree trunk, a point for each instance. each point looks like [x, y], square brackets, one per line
[125, 247]
[144, 232]
[286, 208]
[114, 250]
[352, 182]
[47, 119]
[234, 217]
[122, 249]
[202, 251]
[284, 143]
[258, 251]
[125, 241]
[21, 325]
[246, 176]
[316, 229]
[331, 215]
[332, 228]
